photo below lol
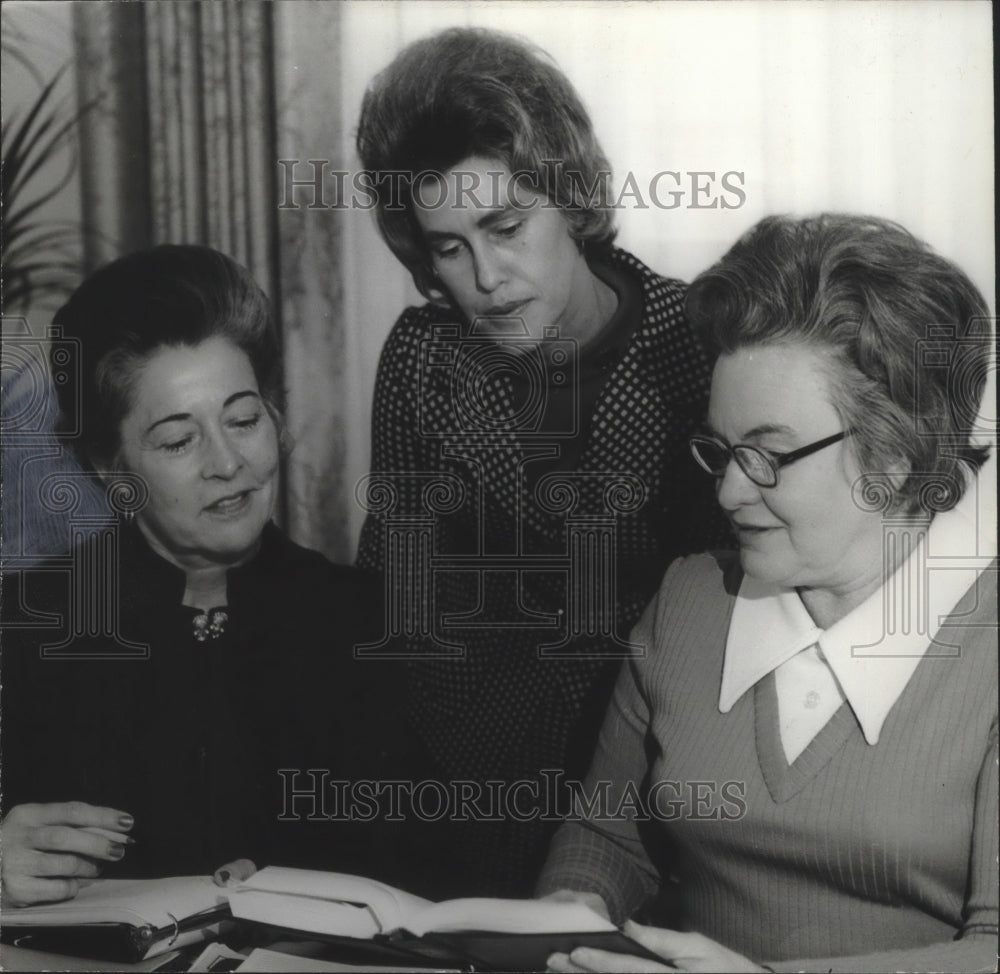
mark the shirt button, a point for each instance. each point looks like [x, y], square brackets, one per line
[812, 700]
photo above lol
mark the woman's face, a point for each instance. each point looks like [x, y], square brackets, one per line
[200, 436]
[807, 532]
[500, 250]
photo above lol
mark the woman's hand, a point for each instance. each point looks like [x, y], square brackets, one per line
[50, 851]
[234, 872]
[680, 952]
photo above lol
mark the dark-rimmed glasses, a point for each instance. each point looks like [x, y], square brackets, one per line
[761, 466]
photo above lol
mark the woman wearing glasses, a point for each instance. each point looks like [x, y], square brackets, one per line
[807, 755]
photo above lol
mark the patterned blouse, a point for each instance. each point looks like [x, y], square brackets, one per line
[524, 502]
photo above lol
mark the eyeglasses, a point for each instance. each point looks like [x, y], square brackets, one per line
[761, 466]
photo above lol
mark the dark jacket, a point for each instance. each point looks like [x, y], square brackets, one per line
[189, 736]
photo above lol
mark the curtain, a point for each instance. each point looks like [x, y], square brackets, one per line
[195, 103]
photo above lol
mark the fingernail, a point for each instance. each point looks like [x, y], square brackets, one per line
[224, 875]
[128, 840]
[126, 821]
[116, 850]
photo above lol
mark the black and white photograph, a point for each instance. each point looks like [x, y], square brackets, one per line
[498, 485]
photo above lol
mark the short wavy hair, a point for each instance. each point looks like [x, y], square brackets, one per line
[474, 92]
[167, 296]
[907, 331]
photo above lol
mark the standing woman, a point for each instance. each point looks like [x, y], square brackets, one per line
[157, 683]
[546, 364]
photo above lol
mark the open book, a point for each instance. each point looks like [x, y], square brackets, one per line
[504, 934]
[122, 919]
[352, 906]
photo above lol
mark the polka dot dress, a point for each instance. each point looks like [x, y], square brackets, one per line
[531, 584]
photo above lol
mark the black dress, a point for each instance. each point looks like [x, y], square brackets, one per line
[204, 733]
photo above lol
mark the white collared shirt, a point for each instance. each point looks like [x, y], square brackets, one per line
[869, 655]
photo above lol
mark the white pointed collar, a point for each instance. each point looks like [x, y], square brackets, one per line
[871, 651]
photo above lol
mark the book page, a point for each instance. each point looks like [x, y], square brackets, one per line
[389, 907]
[508, 916]
[309, 913]
[141, 902]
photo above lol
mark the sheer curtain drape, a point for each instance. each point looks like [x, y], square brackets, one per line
[194, 103]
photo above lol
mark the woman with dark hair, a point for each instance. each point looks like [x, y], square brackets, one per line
[549, 386]
[164, 685]
[813, 730]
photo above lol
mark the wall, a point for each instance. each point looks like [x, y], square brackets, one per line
[882, 108]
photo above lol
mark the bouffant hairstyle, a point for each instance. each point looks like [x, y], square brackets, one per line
[169, 295]
[473, 92]
[904, 330]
